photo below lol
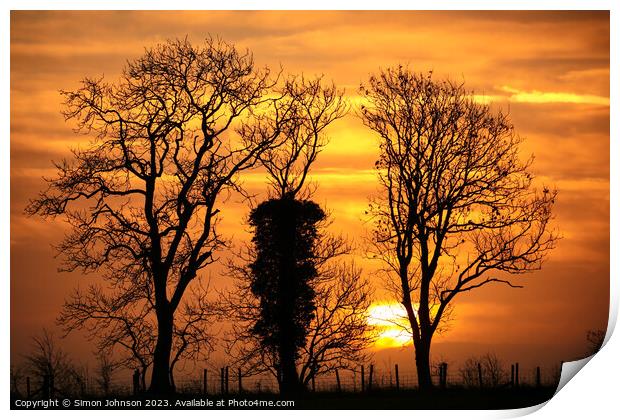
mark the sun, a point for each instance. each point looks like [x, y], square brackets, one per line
[390, 321]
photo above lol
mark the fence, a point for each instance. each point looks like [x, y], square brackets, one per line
[226, 380]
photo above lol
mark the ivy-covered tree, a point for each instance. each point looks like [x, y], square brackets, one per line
[285, 232]
[286, 323]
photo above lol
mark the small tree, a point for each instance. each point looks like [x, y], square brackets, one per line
[595, 339]
[458, 207]
[123, 323]
[50, 367]
[488, 368]
[119, 323]
[17, 377]
[339, 334]
[105, 369]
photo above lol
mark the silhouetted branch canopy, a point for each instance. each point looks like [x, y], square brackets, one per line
[458, 204]
[314, 106]
[170, 137]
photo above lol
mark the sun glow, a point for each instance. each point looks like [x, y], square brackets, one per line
[538, 97]
[390, 321]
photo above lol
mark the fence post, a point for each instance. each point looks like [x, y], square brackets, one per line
[363, 380]
[28, 386]
[517, 374]
[226, 380]
[240, 384]
[136, 381]
[442, 375]
[142, 374]
[221, 380]
[204, 382]
[480, 375]
[370, 378]
[445, 374]
[338, 381]
[538, 376]
[397, 378]
[512, 375]
[313, 373]
[46, 387]
[51, 383]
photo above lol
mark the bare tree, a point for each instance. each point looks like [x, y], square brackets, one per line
[332, 331]
[595, 339]
[124, 324]
[50, 367]
[338, 334]
[313, 107]
[458, 206]
[105, 369]
[172, 135]
[17, 377]
[120, 323]
[488, 368]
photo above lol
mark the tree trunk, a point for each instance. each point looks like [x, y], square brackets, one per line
[160, 379]
[421, 337]
[288, 289]
[423, 366]
[290, 379]
[143, 378]
[172, 385]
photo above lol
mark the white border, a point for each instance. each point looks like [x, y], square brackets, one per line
[593, 395]
[311, 5]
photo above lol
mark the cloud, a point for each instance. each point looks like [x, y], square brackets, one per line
[540, 97]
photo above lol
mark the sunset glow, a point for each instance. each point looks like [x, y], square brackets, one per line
[539, 97]
[548, 71]
[390, 321]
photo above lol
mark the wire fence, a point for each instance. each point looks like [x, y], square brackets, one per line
[361, 379]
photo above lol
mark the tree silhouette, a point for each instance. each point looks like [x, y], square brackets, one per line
[104, 371]
[337, 335]
[51, 368]
[285, 232]
[280, 276]
[487, 367]
[17, 376]
[457, 207]
[339, 332]
[595, 339]
[312, 107]
[123, 323]
[172, 135]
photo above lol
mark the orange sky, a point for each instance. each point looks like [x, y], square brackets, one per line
[550, 69]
